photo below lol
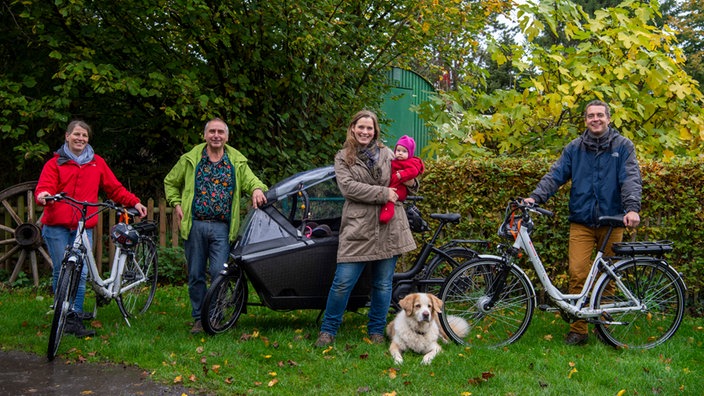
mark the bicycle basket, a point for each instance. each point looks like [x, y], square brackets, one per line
[124, 235]
[415, 220]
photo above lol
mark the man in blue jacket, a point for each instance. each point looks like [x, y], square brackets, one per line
[606, 181]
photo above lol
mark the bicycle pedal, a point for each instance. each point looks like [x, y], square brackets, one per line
[130, 276]
[547, 308]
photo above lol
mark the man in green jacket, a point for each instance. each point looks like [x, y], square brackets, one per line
[204, 187]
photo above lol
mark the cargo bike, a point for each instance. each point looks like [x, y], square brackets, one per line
[286, 250]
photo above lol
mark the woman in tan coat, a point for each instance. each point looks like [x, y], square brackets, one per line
[363, 172]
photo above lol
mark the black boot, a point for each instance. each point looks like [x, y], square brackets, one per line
[74, 325]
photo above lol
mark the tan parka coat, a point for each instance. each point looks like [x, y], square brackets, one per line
[362, 236]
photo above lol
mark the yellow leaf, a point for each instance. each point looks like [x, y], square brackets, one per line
[621, 392]
[328, 349]
[574, 370]
[178, 379]
[273, 382]
[392, 373]
[547, 337]
[272, 373]
[215, 368]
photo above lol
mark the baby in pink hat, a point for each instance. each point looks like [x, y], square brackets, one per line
[404, 168]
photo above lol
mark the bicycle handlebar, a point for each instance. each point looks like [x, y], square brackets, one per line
[108, 204]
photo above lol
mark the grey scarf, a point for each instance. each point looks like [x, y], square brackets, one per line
[65, 155]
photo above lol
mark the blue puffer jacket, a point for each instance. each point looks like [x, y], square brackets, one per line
[605, 177]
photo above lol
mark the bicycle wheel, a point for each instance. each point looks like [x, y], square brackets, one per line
[139, 279]
[440, 267]
[65, 294]
[661, 294]
[467, 318]
[224, 301]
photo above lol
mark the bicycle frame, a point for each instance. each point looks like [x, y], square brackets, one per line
[111, 287]
[574, 304]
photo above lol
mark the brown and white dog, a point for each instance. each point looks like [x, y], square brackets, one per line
[418, 328]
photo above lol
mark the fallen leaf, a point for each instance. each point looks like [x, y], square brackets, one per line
[199, 350]
[273, 382]
[272, 373]
[364, 356]
[621, 392]
[390, 394]
[547, 337]
[392, 374]
[192, 378]
[328, 349]
[87, 392]
[574, 370]
[228, 380]
[178, 379]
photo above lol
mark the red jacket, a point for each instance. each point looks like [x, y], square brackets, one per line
[81, 183]
[408, 169]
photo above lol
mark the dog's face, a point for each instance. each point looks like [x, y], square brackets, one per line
[422, 306]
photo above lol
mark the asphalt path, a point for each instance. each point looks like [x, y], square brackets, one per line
[23, 373]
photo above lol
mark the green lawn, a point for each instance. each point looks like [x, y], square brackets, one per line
[272, 352]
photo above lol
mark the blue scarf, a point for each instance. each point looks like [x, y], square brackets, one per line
[65, 155]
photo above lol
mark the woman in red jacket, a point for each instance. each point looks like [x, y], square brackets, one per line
[76, 170]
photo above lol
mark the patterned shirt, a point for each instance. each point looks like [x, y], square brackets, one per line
[214, 186]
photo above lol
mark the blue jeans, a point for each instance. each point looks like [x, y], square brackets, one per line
[208, 242]
[346, 277]
[56, 239]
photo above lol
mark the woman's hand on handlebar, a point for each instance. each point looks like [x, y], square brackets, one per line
[41, 197]
[141, 209]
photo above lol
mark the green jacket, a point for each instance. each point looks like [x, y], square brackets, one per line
[180, 183]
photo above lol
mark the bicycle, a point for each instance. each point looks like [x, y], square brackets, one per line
[635, 299]
[226, 299]
[133, 275]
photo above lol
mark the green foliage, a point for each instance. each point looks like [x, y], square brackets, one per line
[173, 269]
[618, 56]
[285, 76]
[479, 189]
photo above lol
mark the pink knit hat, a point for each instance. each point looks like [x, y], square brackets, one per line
[407, 142]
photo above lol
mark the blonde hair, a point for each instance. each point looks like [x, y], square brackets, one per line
[351, 146]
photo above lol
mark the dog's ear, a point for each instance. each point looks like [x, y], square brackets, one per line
[437, 303]
[407, 304]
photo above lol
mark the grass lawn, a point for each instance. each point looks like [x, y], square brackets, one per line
[272, 352]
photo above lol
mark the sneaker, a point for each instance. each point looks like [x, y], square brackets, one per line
[324, 339]
[197, 327]
[377, 338]
[573, 338]
[74, 325]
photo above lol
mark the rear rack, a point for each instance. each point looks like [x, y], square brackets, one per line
[641, 248]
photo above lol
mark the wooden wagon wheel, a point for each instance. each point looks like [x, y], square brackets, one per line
[21, 231]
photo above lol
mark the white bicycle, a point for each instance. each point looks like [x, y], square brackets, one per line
[133, 274]
[635, 300]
